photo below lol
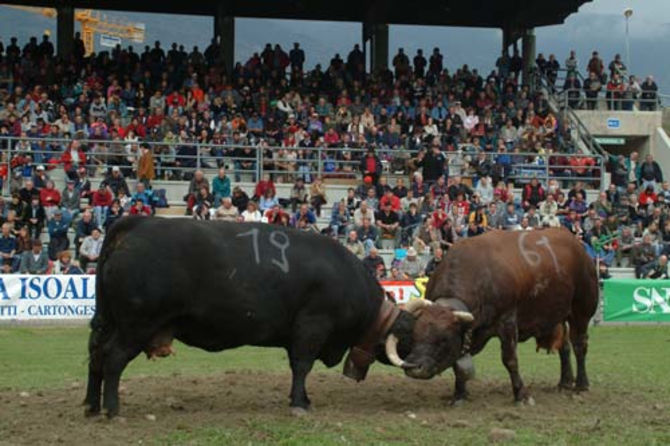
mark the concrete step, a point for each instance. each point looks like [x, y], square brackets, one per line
[172, 210]
[622, 273]
[336, 188]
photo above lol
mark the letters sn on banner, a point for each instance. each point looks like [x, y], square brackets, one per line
[637, 300]
[36, 297]
[650, 299]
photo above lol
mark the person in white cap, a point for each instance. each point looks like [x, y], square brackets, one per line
[412, 267]
[117, 182]
[40, 179]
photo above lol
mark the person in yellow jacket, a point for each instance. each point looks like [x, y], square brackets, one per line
[478, 217]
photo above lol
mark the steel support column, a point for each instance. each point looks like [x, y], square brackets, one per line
[224, 30]
[528, 49]
[65, 31]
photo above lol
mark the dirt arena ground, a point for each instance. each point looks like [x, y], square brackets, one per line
[240, 397]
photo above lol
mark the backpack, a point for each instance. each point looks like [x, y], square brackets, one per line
[160, 198]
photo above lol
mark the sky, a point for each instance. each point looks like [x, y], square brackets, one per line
[597, 25]
[648, 15]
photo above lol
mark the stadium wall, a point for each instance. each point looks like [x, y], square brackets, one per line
[637, 127]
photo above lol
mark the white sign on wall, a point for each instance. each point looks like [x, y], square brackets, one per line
[109, 41]
[613, 123]
[46, 297]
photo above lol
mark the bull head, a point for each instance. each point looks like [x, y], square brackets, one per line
[435, 335]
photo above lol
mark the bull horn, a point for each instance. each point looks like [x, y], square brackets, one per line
[392, 353]
[464, 316]
[414, 306]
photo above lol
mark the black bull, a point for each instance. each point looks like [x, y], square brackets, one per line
[218, 286]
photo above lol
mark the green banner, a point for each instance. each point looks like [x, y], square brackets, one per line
[630, 300]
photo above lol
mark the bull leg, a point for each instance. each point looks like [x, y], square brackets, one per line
[94, 387]
[115, 360]
[579, 338]
[567, 376]
[460, 390]
[310, 335]
[509, 337]
[300, 369]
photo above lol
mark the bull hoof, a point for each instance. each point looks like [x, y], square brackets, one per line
[111, 413]
[457, 402]
[91, 411]
[581, 388]
[528, 401]
[299, 412]
[565, 386]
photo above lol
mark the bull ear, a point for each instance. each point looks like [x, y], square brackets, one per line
[464, 316]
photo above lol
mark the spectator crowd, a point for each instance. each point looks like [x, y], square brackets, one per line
[453, 138]
[623, 91]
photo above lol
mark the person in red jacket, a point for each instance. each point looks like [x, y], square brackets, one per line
[264, 185]
[3, 171]
[101, 200]
[72, 158]
[139, 208]
[390, 198]
[533, 194]
[137, 128]
[175, 100]
[156, 118]
[648, 196]
[275, 215]
[331, 137]
[49, 199]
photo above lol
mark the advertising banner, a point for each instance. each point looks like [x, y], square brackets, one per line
[54, 297]
[109, 41]
[634, 300]
[404, 290]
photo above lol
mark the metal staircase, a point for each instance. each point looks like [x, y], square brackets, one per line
[584, 140]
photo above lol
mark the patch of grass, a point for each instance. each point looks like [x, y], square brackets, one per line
[629, 402]
[52, 357]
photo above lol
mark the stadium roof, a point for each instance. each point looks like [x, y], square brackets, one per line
[514, 14]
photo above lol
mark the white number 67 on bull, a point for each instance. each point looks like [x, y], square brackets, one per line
[533, 258]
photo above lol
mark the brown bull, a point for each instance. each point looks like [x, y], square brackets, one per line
[510, 285]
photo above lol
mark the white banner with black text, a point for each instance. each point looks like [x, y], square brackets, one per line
[25, 297]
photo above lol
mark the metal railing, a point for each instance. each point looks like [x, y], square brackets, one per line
[613, 100]
[578, 98]
[582, 132]
[178, 160]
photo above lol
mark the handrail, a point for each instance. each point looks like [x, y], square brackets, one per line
[664, 99]
[582, 131]
[609, 96]
[318, 162]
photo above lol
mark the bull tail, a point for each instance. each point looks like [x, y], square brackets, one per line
[554, 341]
